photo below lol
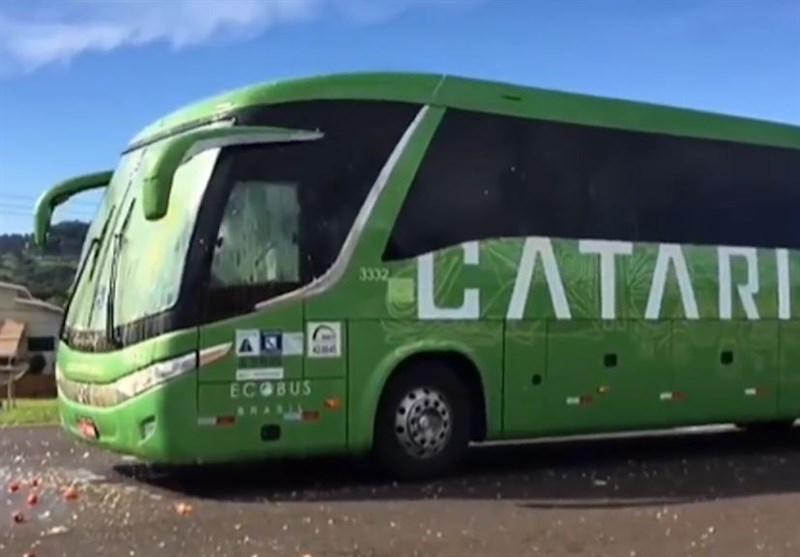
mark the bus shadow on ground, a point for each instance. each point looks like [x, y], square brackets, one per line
[597, 473]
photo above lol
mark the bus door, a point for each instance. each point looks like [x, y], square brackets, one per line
[254, 260]
[258, 205]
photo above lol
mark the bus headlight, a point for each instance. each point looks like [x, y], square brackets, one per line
[154, 375]
[105, 395]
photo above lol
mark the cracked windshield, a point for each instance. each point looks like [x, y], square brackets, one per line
[444, 278]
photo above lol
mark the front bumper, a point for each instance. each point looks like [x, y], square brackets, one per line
[164, 424]
[157, 425]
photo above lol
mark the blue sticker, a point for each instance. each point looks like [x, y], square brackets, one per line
[271, 343]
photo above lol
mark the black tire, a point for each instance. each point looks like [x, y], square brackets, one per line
[429, 382]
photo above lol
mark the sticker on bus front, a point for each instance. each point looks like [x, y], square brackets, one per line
[271, 343]
[325, 340]
[248, 343]
[293, 344]
[259, 374]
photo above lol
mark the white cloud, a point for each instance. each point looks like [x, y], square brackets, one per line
[57, 32]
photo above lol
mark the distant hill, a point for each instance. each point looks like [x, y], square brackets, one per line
[46, 272]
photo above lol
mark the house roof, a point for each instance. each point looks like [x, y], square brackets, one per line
[21, 291]
[25, 298]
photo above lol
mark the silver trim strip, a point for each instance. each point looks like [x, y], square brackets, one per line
[329, 279]
[246, 138]
[106, 395]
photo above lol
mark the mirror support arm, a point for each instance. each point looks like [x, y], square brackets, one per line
[60, 193]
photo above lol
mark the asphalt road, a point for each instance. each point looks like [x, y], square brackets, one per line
[726, 494]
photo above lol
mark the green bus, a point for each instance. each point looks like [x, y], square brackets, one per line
[401, 265]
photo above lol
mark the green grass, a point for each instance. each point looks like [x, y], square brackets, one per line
[29, 412]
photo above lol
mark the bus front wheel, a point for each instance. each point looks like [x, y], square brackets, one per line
[422, 426]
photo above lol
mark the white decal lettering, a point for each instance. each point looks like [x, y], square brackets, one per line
[784, 282]
[608, 251]
[671, 253]
[267, 389]
[747, 291]
[373, 274]
[290, 411]
[249, 390]
[426, 304]
[532, 248]
[670, 262]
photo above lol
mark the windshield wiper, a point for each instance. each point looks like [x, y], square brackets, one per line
[113, 336]
[99, 241]
[93, 249]
[111, 333]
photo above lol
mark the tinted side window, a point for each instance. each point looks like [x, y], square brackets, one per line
[277, 215]
[258, 238]
[338, 171]
[488, 176]
[41, 344]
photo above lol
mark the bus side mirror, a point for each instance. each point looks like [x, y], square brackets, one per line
[158, 175]
[58, 194]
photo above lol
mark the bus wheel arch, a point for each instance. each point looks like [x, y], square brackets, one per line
[445, 384]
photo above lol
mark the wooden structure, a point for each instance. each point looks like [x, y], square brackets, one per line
[14, 362]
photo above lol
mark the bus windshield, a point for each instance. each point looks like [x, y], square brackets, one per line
[84, 312]
[132, 266]
[152, 254]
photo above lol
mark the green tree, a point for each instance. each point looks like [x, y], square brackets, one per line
[48, 271]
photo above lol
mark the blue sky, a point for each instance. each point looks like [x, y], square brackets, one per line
[78, 78]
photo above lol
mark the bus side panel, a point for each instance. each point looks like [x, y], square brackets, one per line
[307, 425]
[789, 398]
[377, 347]
[524, 389]
[726, 371]
[608, 376]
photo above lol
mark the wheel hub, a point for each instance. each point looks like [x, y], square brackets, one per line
[423, 422]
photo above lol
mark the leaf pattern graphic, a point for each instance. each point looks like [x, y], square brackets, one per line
[497, 270]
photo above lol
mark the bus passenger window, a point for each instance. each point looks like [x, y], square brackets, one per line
[257, 242]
